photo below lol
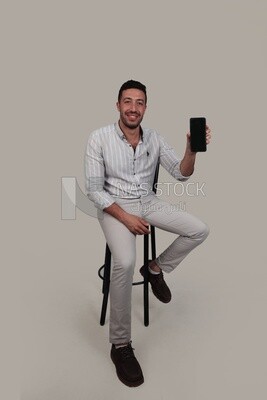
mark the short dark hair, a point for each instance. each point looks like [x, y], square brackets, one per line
[131, 84]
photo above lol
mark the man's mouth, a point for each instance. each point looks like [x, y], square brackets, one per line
[132, 116]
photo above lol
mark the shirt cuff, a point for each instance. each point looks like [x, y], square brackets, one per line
[101, 200]
[178, 174]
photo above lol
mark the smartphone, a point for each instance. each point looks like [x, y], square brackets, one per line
[198, 134]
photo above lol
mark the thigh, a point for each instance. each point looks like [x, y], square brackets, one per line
[171, 218]
[121, 241]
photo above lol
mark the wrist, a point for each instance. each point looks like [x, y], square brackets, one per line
[123, 216]
[190, 154]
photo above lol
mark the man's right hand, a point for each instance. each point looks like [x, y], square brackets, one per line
[135, 224]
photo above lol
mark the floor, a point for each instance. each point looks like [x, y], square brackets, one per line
[205, 344]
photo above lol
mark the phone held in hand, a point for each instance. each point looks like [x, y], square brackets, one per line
[198, 134]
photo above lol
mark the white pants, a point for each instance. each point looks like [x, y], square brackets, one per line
[122, 243]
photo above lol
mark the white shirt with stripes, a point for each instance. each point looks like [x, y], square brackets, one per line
[113, 169]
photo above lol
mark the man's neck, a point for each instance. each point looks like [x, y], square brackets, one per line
[130, 134]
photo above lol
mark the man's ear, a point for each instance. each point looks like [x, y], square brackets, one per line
[118, 106]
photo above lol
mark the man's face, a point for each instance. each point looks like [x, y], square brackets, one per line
[132, 107]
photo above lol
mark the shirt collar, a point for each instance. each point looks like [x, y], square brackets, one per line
[121, 134]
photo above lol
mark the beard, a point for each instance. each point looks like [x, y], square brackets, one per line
[131, 124]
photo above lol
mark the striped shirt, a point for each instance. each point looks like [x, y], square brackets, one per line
[114, 169]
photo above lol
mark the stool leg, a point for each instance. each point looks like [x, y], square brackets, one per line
[153, 242]
[105, 287]
[146, 299]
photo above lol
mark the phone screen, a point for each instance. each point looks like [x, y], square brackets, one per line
[198, 134]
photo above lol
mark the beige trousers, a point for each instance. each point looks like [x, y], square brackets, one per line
[189, 231]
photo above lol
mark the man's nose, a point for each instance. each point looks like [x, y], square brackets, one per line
[133, 107]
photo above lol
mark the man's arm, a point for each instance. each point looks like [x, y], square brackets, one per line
[94, 173]
[187, 164]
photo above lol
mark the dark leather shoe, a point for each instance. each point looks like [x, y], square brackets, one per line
[158, 286]
[127, 367]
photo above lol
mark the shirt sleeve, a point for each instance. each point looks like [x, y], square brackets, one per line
[95, 173]
[170, 160]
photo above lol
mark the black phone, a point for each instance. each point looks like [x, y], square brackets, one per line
[198, 134]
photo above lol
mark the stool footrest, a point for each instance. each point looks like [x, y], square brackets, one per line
[99, 272]
[102, 276]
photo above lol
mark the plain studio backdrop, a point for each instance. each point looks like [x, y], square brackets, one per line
[63, 63]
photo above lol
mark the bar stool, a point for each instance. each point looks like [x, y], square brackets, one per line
[104, 271]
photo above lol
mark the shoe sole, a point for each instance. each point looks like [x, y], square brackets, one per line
[128, 383]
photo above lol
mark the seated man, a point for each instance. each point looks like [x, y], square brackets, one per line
[120, 163]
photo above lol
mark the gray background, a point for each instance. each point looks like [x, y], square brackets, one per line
[63, 63]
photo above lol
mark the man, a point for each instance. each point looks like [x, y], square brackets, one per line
[120, 163]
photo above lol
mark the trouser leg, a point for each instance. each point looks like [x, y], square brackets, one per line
[122, 244]
[191, 230]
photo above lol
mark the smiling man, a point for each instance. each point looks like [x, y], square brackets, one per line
[120, 164]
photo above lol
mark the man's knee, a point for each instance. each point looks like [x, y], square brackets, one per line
[124, 266]
[202, 232]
